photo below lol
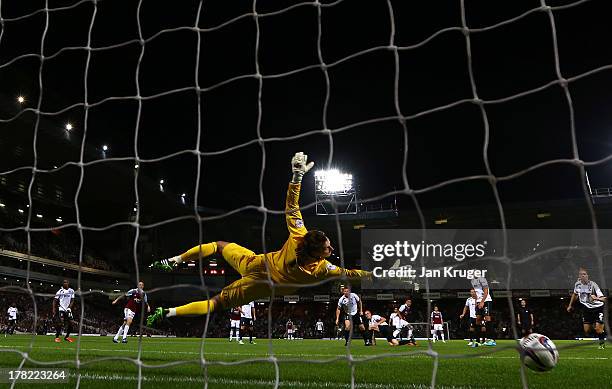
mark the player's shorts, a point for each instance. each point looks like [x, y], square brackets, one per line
[128, 314]
[472, 322]
[289, 331]
[593, 315]
[12, 322]
[246, 322]
[526, 327]
[486, 310]
[254, 283]
[356, 318]
[438, 327]
[387, 332]
[63, 316]
[234, 323]
[242, 259]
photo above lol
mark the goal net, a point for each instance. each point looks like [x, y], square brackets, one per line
[133, 130]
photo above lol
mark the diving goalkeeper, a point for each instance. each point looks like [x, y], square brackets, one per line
[301, 261]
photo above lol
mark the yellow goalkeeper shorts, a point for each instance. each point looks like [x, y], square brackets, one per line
[254, 283]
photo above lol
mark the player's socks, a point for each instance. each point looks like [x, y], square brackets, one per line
[126, 328]
[365, 337]
[195, 308]
[119, 332]
[491, 331]
[443, 337]
[602, 338]
[68, 329]
[194, 253]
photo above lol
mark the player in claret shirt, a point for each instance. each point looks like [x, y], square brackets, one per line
[235, 324]
[437, 325]
[136, 298]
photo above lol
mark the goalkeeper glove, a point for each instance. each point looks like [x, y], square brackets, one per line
[69, 311]
[299, 166]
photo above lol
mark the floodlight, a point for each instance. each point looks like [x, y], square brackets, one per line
[68, 126]
[105, 148]
[20, 99]
[334, 192]
[333, 181]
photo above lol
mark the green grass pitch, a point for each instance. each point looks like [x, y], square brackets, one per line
[175, 363]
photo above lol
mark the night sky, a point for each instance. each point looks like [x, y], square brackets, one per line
[442, 145]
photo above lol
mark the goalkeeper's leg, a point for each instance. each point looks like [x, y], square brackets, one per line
[237, 293]
[194, 253]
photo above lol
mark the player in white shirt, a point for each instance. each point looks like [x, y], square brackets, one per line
[470, 305]
[62, 311]
[484, 307]
[352, 311]
[396, 322]
[377, 323]
[247, 319]
[593, 301]
[11, 314]
[319, 328]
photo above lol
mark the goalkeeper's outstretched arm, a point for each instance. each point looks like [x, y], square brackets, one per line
[354, 274]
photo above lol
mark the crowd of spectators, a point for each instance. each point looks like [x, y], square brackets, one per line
[50, 245]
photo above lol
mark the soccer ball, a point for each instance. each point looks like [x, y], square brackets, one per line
[539, 353]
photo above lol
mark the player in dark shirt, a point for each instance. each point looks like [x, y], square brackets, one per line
[524, 318]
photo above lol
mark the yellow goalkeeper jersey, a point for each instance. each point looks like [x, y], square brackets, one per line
[283, 264]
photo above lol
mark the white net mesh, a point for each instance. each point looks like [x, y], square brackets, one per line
[82, 108]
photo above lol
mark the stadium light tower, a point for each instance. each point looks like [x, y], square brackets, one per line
[333, 186]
